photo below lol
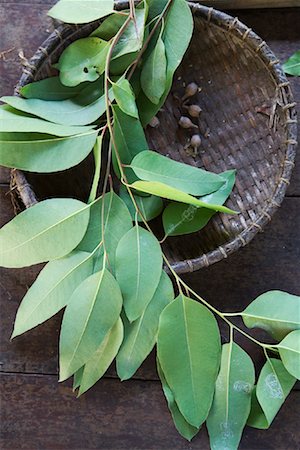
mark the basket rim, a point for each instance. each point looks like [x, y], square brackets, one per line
[228, 24]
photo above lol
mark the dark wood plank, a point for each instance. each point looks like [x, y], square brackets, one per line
[37, 413]
[271, 261]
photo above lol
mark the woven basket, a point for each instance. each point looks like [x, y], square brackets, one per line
[248, 118]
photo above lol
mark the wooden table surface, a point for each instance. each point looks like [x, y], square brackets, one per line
[39, 413]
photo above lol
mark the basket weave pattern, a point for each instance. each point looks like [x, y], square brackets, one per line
[248, 117]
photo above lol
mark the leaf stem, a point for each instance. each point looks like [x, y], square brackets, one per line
[97, 158]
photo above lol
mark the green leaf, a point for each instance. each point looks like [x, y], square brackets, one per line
[36, 152]
[98, 364]
[138, 270]
[178, 219]
[188, 349]
[150, 206]
[83, 11]
[165, 191]
[177, 34]
[153, 76]
[125, 97]
[132, 38]
[116, 221]
[52, 290]
[273, 386]
[12, 121]
[289, 350]
[50, 89]
[151, 166]
[232, 400]
[77, 378]
[82, 109]
[110, 26]
[183, 427]
[83, 60]
[292, 65]
[140, 336]
[276, 312]
[33, 236]
[93, 309]
[129, 139]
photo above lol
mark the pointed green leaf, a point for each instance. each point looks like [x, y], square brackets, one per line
[83, 60]
[140, 336]
[52, 290]
[151, 166]
[81, 11]
[276, 312]
[32, 237]
[232, 400]
[150, 206]
[98, 364]
[82, 109]
[179, 18]
[179, 219]
[188, 349]
[93, 309]
[165, 191]
[50, 89]
[116, 220]
[36, 152]
[132, 38]
[12, 121]
[289, 350]
[292, 65]
[110, 26]
[125, 97]
[183, 427]
[138, 269]
[273, 386]
[77, 378]
[129, 139]
[153, 76]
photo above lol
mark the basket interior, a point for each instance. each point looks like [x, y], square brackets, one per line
[239, 131]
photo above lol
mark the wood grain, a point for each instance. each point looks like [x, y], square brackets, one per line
[38, 414]
[248, 4]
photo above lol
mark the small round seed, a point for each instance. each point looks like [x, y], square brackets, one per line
[195, 141]
[185, 122]
[194, 110]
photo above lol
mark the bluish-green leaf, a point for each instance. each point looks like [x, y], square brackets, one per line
[124, 97]
[289, 350]
[276, 312]
[37, 152]
[138, 270]
[98, 364]
[32, 237]
[165, 191]
[151, 166]
[153, 76]
[183, 427]
[189, 350]
[83, 11]
[93, 309]
[232, 400]
[179, 18]
[179, 219]
[12, 121]
[82, 109]
[129, 138]
[132, 38]
[292, 65]
[140, 336]
[83, 60]
[116, 221]
[273, 386]
[50, 89]
[52, 290]
[150, 206]
[110, 26]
